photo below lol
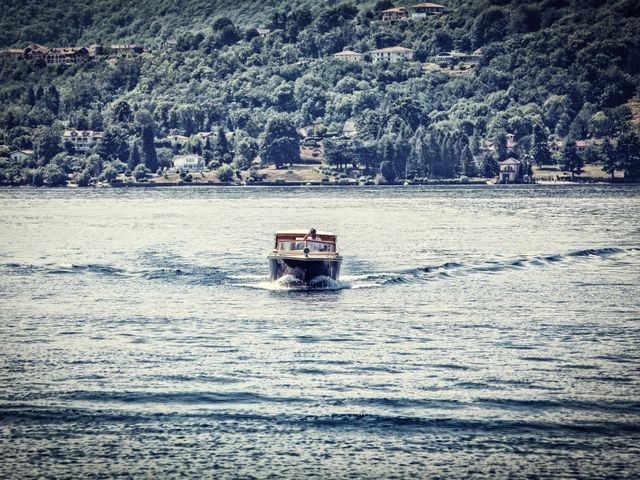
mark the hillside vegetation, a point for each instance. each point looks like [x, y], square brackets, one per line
[550, 69]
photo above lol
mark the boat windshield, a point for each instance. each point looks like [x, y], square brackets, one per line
[301, 244]
[319, 247]
[291, 246]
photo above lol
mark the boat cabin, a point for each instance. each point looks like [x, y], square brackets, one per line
[293, 241]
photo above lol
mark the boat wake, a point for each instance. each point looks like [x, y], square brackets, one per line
[211, 276]
[290, 282]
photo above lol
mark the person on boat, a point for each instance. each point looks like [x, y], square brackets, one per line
[311, 235]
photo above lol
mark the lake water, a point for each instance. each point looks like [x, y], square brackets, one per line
[476, 332]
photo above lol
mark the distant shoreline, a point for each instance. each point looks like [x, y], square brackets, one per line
[152, 185]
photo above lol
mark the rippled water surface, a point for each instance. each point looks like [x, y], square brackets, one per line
[476, 332]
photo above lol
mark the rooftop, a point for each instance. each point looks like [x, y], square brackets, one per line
[510, 161]
[427, 5]
[125, 46]
[81, 133]
[347, 53]
[397, 49]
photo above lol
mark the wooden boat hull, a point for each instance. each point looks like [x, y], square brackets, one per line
[304, 270]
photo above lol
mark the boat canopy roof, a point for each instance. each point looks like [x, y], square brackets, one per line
[295, 233]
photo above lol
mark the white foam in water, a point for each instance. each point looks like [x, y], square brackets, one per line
[326, 283]
[290, 282]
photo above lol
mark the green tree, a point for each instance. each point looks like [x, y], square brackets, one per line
[571, 161]
[121, 112]
[53, 100]
[84, 179]
[387, 171]
[94, 165]
[490, 166]
[468, 164]
[220, 147]
[500, 144]
[37, 180]
[281, 142]
[246, 150]
[47, 142]
[628, 153]
[140, 172]
[30, 98]
[336, 153]
[114, 144]
[609, 159]
[54, 176]
[134, 157]
[539, 150]
[490, 26]
[149, 155]
[108, 174]
[225, 173]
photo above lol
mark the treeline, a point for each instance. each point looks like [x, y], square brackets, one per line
[550, 69]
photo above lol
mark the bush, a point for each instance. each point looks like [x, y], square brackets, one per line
[140, 172]
[387, 171]
[54, 176]
[38, 178]
[225, 173]
[108, 174]
[188, 177]
[254, 176]
[84, 179]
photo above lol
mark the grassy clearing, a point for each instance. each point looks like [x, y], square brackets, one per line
[549, 172]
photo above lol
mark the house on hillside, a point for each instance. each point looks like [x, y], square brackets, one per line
[19, 155]
[188, 163]
[510, 171]
[392, 54]
[584, 145]
[349, 56]
[456, 57]
[393, 14]
[203, 135]
[349, 129]
[35, 51]
[181, 139]
[66, 55]
[555, 146]
[96, 49]
[168, 45]
[12, 52]
[82, 140]
[422, 10]
[125, 49]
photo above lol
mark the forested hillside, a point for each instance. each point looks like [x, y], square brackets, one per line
[551, 69]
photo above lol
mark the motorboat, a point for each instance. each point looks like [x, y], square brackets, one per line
[303, 260]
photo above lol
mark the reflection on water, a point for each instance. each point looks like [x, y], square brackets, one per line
[474, 332]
